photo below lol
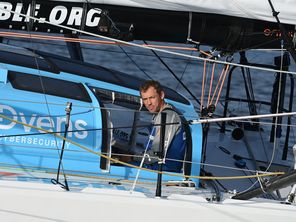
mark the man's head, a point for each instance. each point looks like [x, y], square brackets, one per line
[152, 95]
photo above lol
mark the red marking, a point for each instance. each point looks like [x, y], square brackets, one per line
[8, 174]
[276, 33]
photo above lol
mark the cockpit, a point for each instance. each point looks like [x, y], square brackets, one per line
[126, 124]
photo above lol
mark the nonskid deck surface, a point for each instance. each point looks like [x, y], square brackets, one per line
[30, 196]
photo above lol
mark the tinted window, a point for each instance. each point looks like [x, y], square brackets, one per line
[105, 75]
[55, 87]
[118, 98]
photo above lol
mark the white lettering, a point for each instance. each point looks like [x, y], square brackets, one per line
[75, 16]
[46, 123]
[36, 9]
[11, 139]
[5, 12]
[92, 20]
[60, 123]
[81, 134]
[35, 141]
[13, 114]
[27, 19]
[23, 139]
[47, 142]
[17, 139]
[16, 17]
[58, 15]
[40, 142]
[29, 140]
[43, 122]
[31, 122]
[53, 143]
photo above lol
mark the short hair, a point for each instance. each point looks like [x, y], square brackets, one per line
[151, 83]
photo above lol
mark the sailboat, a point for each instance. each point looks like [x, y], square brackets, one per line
[65, 123]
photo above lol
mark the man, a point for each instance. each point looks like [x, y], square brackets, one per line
[175, 141]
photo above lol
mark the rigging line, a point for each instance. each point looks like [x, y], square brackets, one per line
[211, 120]
[181, 78]
[156, 46]
[147, 47]
[253, 48]
[94, 176]
[137, 53]
[241, 120]
[217, 85]
[28, 24]
[250, 187]
[206, 82]
[277, 108]
[249, 90]
[176, 160]
[93, 41]
[56, 38]
[218, 166]
[145, 169]
[74, 114]
[134, 62]
[261, 134]
[244, 170]
[222, 84]
[144, 156]
[37, 102]
[211, 83]
[87, 130]
[266, 123]
[203, 86]
[191, 162]
[176, 77]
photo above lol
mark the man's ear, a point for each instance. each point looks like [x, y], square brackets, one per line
[162, 94]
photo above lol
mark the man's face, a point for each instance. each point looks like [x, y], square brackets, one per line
[152, 100]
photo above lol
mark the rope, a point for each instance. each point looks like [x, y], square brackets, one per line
[203, 86]
[147, 47]
[85, 147]
[211, 83]
[217, 86]
[93, 41]
[222, 84]
[149, 170]
[277, 111]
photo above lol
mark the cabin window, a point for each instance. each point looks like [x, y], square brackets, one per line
[129, 127]
[50, 86]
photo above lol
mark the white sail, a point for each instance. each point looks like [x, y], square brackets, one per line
[252, 9]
